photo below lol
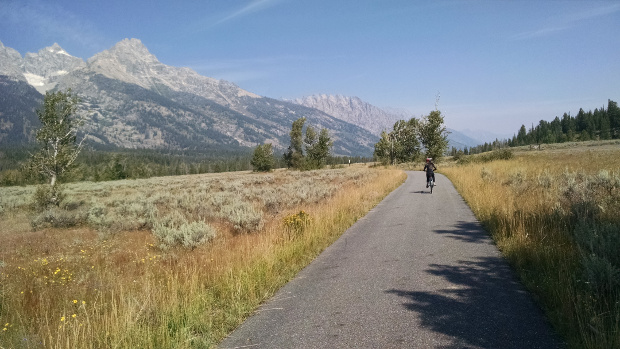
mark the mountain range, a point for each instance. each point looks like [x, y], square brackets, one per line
[129, 99]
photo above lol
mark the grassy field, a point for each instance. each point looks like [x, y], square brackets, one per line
[174, 262]
[555, 215]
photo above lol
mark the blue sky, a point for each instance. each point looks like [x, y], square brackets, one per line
[495, 64]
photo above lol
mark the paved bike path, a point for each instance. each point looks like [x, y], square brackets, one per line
[417, 272]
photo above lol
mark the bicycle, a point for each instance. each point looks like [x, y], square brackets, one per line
[430, 183]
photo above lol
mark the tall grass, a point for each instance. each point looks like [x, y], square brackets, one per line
[556, 217]
[112, 283]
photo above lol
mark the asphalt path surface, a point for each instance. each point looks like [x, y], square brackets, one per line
[418, 271]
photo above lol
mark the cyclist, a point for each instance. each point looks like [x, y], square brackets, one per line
[430, 169]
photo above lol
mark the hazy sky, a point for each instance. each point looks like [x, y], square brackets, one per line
[495, 64]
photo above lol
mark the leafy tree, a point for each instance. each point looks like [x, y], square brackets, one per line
[383, 150]
[263, 160]
[316, 149]
[319, 151]
[400, 145]
[407, 145]
[310, 138]
[57, 137]
[433, 135]
[294, 157]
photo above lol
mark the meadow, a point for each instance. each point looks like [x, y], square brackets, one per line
[169, 262]
[555, 215]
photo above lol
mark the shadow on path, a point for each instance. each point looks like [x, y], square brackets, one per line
[484, 307]
[467, 232]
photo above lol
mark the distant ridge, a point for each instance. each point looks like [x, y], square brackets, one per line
[352, 110]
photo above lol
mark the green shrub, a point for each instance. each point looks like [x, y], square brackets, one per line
[47, 196]
[601, 276]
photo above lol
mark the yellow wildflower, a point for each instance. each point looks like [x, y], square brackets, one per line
[74, 301]
[62, 319]
[73, 316]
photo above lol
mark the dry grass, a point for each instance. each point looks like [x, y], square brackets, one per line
[555, 215]
[108, 282]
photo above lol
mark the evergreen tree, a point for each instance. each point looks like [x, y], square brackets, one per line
[605, 128]
[263, 160]
[522, 136]
[613, 113]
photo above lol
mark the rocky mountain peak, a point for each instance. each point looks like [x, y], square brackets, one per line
[10, 63]
[129, 61]
[131, 49]
[42, 69]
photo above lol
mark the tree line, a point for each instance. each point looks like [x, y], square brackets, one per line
[600, 124]
[409, 140]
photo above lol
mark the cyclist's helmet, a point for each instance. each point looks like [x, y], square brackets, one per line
[428, 159]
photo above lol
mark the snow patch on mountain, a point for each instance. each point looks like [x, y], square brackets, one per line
[35, 80]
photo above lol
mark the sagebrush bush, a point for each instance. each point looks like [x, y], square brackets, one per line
[58, 218]
[175, 230]
[244, 216]
[545, 179]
